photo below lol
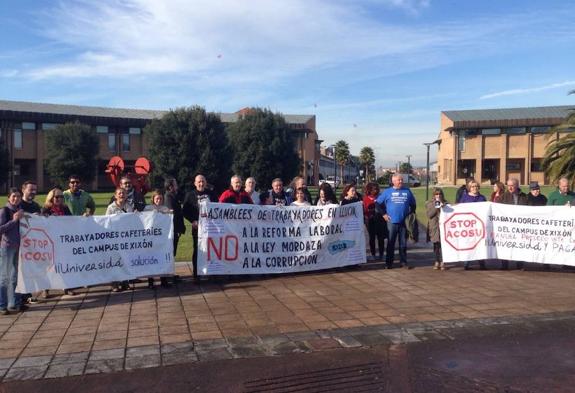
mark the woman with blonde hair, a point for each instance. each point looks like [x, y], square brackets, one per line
[55, 205]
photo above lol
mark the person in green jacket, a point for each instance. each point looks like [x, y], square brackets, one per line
[562, 196]
[79, 201]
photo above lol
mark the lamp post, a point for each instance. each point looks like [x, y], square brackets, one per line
[334, 169]
[437, 141]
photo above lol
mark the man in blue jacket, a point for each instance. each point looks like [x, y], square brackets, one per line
[395, 204]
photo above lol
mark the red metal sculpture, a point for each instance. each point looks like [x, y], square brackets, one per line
[138, 173]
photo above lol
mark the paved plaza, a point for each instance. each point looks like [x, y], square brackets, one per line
[98, 331]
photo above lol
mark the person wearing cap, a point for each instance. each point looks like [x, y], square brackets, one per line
[535, 198]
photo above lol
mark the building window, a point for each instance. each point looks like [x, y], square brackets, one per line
[540, 130]
[465, 168]
[18, 139]
[112, 142]
[461, 142]
[49, 126]
[125, 142]
[515, 130]
[102, 129]
[536, 165]
[135, 130]
[491, 131]
[28, 126]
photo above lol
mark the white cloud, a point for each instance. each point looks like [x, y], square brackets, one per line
[223, 42]
[514, 92]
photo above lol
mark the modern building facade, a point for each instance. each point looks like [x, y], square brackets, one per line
[496, 144]
[23, 126]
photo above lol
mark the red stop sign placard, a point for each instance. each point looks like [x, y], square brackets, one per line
[463, 231]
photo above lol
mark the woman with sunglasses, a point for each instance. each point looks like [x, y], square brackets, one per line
[56, 206]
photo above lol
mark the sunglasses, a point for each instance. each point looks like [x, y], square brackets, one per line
[74, 182]
[58, 196]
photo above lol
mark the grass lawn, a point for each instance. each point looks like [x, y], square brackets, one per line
[185, 246]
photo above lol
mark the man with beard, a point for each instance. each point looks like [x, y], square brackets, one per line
[191, 211]
[133, 198]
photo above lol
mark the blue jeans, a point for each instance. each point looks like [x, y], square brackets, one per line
[8, 278]
[395, 231]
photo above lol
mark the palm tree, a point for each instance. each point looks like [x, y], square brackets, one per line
[367, 158]
[341, 155]
[559, 159]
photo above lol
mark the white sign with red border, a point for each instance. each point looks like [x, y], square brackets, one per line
[485, 230]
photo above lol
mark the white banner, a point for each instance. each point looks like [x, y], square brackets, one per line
[252, 239]
[70, 251]
[485, 230]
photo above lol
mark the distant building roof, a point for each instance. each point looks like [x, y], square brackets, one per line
[510, 117]
[118, 113]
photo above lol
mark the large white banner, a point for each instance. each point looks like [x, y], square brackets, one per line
[252, 239]
[485, 230]
[69, 251]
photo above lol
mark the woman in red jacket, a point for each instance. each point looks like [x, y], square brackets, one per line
[375, 223]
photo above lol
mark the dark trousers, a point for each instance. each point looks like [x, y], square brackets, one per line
[437, 251]
[396, 231]
[376, 229]
[176, 240]
[195, 253]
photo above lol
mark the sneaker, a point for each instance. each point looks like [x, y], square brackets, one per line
[4, 312]
[32, 300]
[69, 292]
[436, 266]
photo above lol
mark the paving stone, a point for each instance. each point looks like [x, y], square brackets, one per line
[401, 337]
[70, 358]
[106, 354]
[272, 341]
[322, 344]
[243, 341]
[25, 373]
[32, 361]
[143, 351]
[65, 370]
[179, 348]
[347, 341]
[248, 351]
[172, 358]
[145, 361]
[302, 336]
[214, 354]
[205, 345]
[371, 340]
[6, 363]
[430, 336]
[104, 366]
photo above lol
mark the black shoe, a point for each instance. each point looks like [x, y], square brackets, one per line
[465, 267]
[164, 282]
[151, 283]
[482, 267]
[410, 267]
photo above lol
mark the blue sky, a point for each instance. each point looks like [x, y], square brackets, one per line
[375, 72]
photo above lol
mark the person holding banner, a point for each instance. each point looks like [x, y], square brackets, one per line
[28, 204]
[349, 195]
[375, 223]
[276, 196]
[433, 209]
[498, 191]
[513, 196]
[299, 182]
[250, 187]
[119, 206]
[159, 206]
[133, 198]
[395, 204]
[562, 196]
[10, 216]
[325, 195]
[300, 198]
[535, 198]
[235, 194]
[471, 196]
[191, 211]
[55, 206]
[79, 201]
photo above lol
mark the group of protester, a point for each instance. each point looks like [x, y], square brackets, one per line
[387, 215]
[509, 194]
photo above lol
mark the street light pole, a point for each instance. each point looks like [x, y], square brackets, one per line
[437, 141]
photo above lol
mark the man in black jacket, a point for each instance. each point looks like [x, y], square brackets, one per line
[513, 196]
[191, 211]
[535, 198]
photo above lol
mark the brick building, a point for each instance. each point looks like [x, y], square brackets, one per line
[495, 144]
[121, 133]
